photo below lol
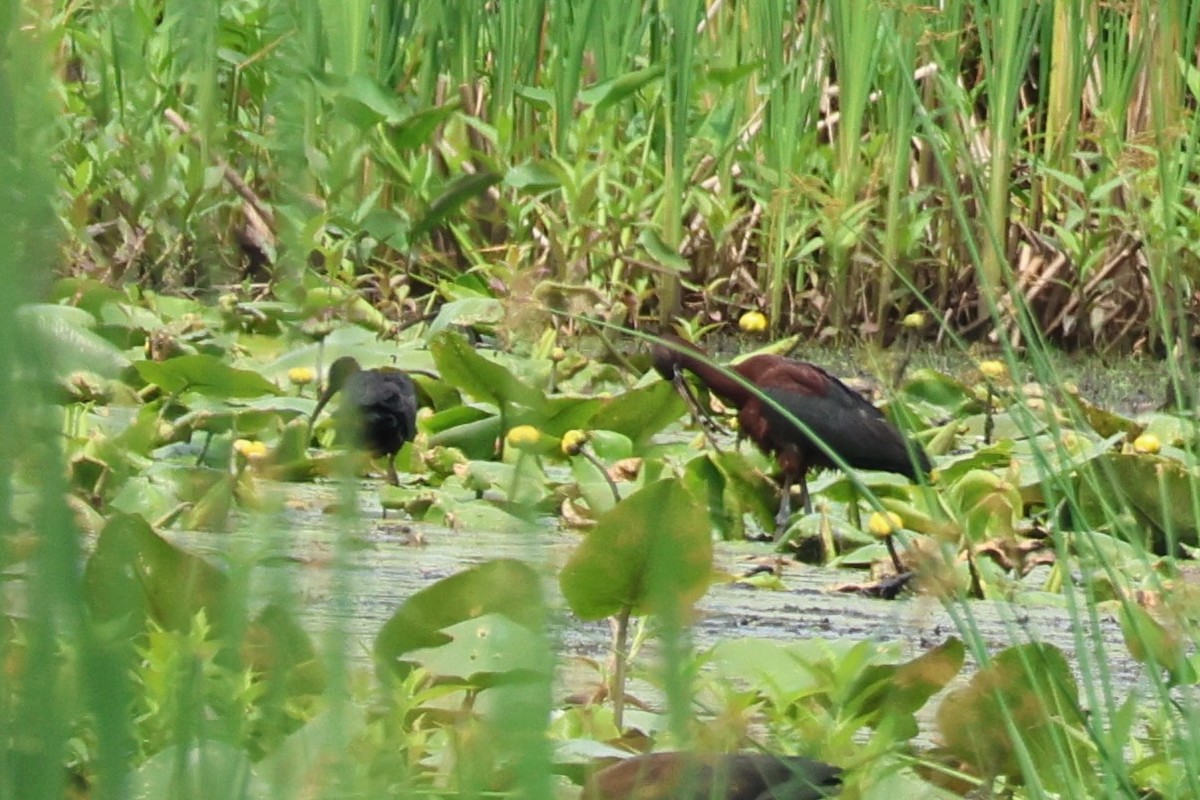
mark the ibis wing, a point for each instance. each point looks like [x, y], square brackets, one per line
[847, 423]
[385, 404]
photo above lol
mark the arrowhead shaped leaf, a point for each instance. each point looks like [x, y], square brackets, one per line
[650, 550]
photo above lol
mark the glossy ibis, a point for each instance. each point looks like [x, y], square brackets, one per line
[849, 425]
[378, 410]
[736, 776]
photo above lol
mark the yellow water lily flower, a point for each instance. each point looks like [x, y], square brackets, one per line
[573, 442]
[993, 369]
[301, 376]
[883, 525]
[753, 322]
[523, 436]
[1147, 444]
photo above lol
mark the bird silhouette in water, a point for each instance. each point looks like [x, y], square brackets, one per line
[836, 414]
[735, 776]
[378, 410]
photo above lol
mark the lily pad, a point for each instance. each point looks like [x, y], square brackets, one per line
[479, 376]
[485, 650]
[503, 586]
[650, 552]
[205, 375]
[1033, 688]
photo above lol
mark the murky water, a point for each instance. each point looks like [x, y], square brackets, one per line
[387, 561]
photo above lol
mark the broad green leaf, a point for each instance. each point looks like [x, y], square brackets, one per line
[895, 692]
[482, 378]
[609, 445]
[658, 250]
[469, 311]
[414, 130]
[640, 413]
[1032, 685]
[134, 573]
[649, 552]
[989, 507]
[503, 586]
[608, 93]
[483, 647]
[62, 334]
[457, 192]
[592, 485]
[941, 391]
[476, 439]
[1158, 645]
[364, 103]
[205, 375]
[1158, 490]
[534, 176]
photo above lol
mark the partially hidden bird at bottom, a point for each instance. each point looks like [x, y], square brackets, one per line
[849, 425]
[731, 776]
[377, 412]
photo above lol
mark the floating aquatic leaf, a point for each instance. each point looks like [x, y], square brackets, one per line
[485, 650]
[134, 573]
[481, 377]
[640, 413]
[503, 586]
[1031, 686]
[650, 551]
[205, 375]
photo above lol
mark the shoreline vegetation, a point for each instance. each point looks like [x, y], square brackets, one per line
[983, 214]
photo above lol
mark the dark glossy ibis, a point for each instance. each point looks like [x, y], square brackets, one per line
[849, 425]
[736, 776]
[378, 410]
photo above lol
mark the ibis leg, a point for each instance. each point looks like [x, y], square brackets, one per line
[785, 507]
[393, 476]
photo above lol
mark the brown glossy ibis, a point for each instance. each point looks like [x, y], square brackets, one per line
[847, 424]
[378, 411]
[735, 776]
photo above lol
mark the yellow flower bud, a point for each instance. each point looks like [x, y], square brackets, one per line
[523, 436]
[993, 369]
[753, 322]
[557, 354]
[914, 321]
[249, 450]
[301, 376]
[1147, 444]
[573, 442]
[883, 525]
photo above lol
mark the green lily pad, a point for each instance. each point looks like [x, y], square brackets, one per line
[134, 573]
[205, 375]
[485, 650]
[479, 376]
[650, 552]
[989, 507]
[503, 586]
[1156, 489]
[1032, 685]
[895, 692]
[640, 413]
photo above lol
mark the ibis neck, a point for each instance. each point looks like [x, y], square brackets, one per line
[718, 380]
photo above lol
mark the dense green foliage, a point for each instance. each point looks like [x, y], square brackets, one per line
[836, 165]
[203, 205]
